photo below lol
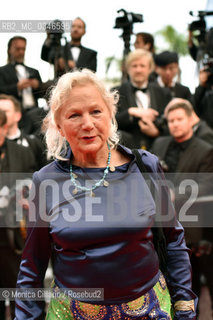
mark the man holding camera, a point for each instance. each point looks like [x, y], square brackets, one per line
[141, 103]
[72, 55]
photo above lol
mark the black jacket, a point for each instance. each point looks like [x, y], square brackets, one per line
[159, 98]
[9, 80]
[180, 91]
[87, 57]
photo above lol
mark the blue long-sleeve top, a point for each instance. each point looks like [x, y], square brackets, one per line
[103, 241]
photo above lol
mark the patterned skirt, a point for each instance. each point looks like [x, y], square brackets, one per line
[155, 304]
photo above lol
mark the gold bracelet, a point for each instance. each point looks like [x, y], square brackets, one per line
[183, 305]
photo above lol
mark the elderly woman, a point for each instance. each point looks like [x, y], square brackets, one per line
[94, 208]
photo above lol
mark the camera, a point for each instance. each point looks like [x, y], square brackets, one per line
[208, 66]
[160, 122]
[127, 20]
[199, 26]
[55, 29]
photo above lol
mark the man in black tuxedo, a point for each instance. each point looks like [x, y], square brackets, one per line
[18, 80]
[12, 108]
[141, 104]
[185, 157]
[16, 162]
[14, 81]
[73, 55]
[167, 68]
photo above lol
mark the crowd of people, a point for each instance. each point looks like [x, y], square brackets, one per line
[83, 144]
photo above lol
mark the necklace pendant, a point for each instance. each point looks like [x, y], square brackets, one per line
[106, 183]
[92, 194]
[101, 182]
[75, 191]
[74, 175]
[112, 168]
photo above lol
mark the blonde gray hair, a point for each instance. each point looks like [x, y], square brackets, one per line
[56, 143]
[137, 54]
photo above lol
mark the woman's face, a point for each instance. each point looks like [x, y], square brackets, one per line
[84, 120]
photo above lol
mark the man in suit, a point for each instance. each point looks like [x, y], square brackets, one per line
[201, 129]
[179, 115]
[73, 55]
[18, 80]
[16, 162]
[167, 68]
[12, 108]
[141, 103]
[15, 77]
[186, 157]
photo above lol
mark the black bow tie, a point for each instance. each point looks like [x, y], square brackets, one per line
[19, 63]
[144, 90]
[75, 46]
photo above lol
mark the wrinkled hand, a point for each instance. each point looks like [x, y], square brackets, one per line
[148, 127]
[149, 113]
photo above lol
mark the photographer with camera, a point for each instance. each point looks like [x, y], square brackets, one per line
[141, 104]
[52, 50]
[199, 38]
[200, 44]
[72, 55]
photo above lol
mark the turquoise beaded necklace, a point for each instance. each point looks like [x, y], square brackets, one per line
[102, 181]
